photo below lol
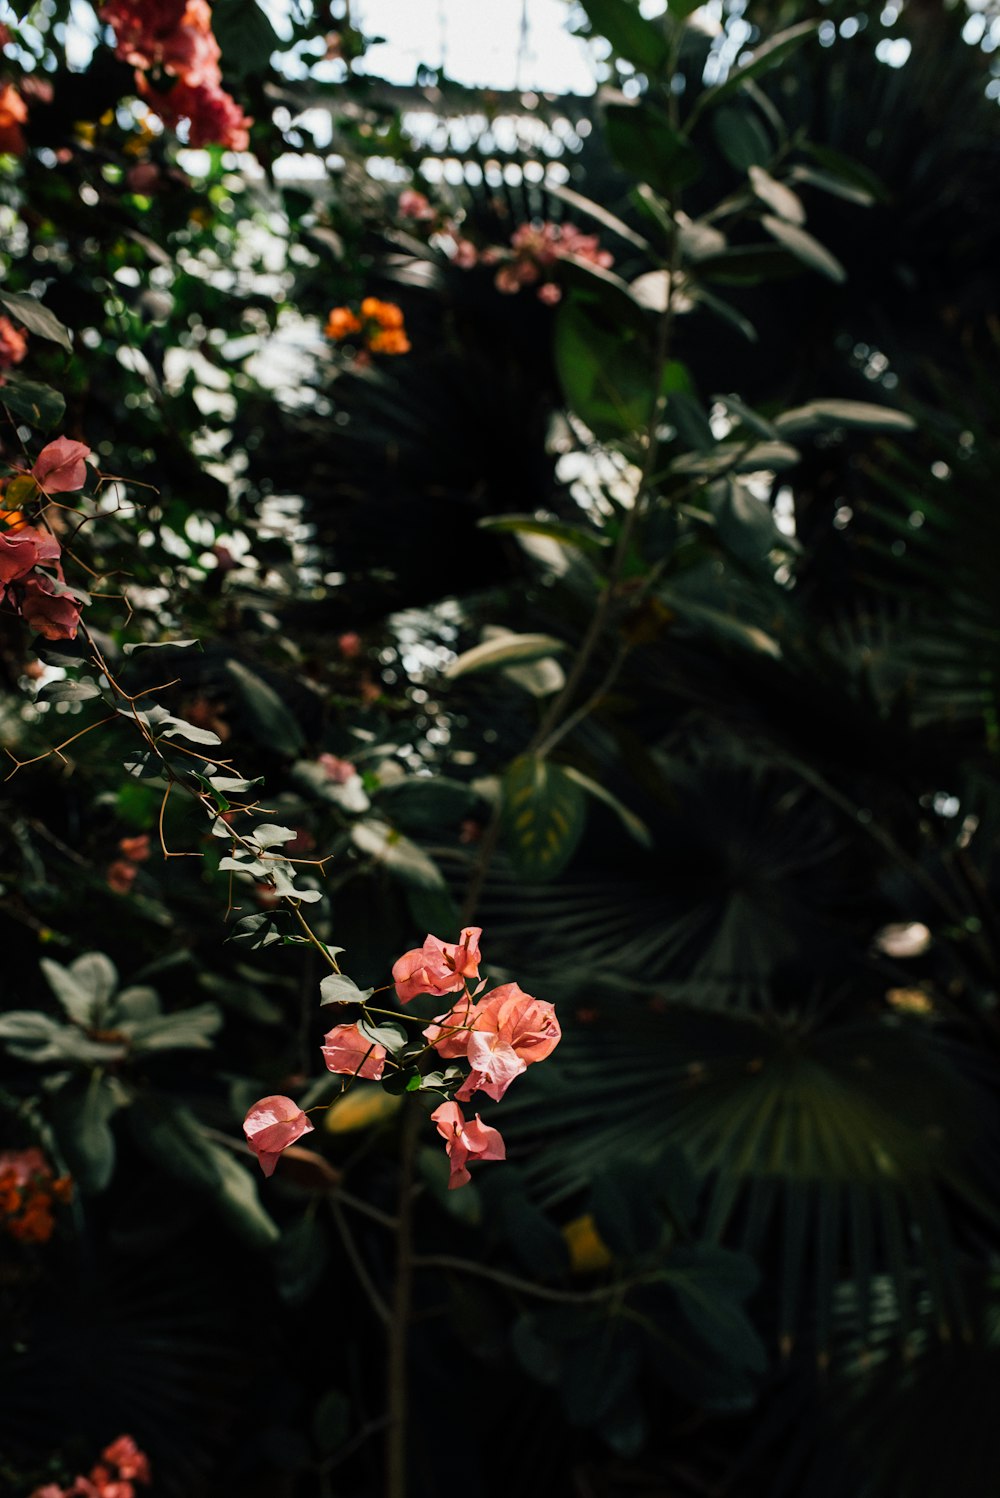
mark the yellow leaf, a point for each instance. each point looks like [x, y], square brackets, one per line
[588, 1251]
[363, 1107]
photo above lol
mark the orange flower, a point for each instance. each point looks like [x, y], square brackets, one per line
[13, 344]
[386, 314]
[13, 113]
[341, 323]
[389, 341]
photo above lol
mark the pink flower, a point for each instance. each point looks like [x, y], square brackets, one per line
[54, 614]
[126, 1456]
[340, 771]
[50, 1490]
[22, 549]
[271, 1126]
[349, 645]
[60, 467]
[466, 1141]
[347, 1050]
[466, 255]
[25, 1165]
[415, 205]
[13, 344]
[550, 293]
[214, 117]
[121, 876]
[438, 967]
[503, 1034]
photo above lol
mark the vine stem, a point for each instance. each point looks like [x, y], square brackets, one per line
[399, 1322]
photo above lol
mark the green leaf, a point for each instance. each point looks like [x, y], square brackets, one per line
[604, 365]
[836, 186]
[633, 825]
[69, 691]
[246, 37]
[81, 1113]
[268, 719]
[84, 988]
[738, 457]
[36, 318]
[505, 649]
[823, 414]
[804, 247]
[639, 41]
[187, 1030]
[158, 645]
[39, 405]
[741, 137]
[643, 141]
[338, 988]
[765, 57]
[745, 524]
[564, 531]
[269, 835]
[171, 1136]
[258, 930]
[401, 857]
[543, 810]
[390, 1035]
[785, 203]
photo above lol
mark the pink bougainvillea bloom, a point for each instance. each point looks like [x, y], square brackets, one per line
[50, 1490]
[500, 1036]
[271, 1126]
[345, 1049]
[466, 1141]
[550, 294]
[126, 1456]
[340, 771]
[23, 549]
[121, 876]
[135, 848]
[13, 114]
[349, 645]
[438, 967]
[54, 614]
[24, 1165]
[60, 467]
[214, 117]
[13, 344]
[415, 205]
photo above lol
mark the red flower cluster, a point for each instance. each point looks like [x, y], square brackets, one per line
[121, 874]
[174, 38]
[43, 598]
[122, 1465]
[500, 1035]
[28, 1188]
[13, 344]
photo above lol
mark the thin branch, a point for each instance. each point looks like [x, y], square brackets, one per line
[358, 1264]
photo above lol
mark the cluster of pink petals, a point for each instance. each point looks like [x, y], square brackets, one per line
[122, 1465]
[13, 344]
[535, 251]
[500, 1036]
[42, 597]
[346, 1050]
[438, 967]
[175, 38]
[271, 1126]
[415, 205]
[466, 1141]
[42, 601]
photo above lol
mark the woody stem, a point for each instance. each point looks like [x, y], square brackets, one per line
[398, 1330]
